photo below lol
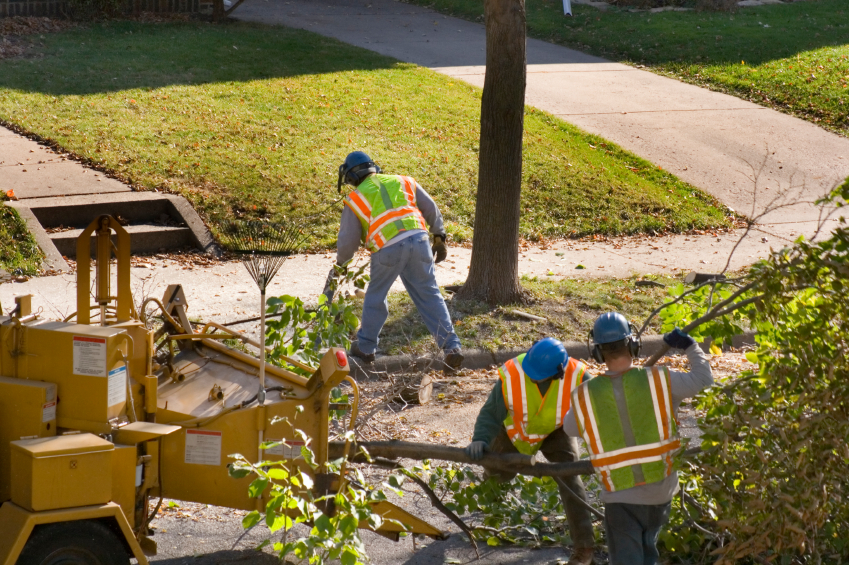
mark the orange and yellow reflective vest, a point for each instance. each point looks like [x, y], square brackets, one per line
[628, 424]
[531, 417]
[386, 206]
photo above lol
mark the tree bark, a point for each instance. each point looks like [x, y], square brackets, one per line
[494, 271]
[217, 10]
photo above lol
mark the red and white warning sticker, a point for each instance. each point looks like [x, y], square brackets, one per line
[48, 412]
[89, 356]
[203, 447]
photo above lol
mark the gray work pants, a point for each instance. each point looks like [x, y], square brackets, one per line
[558, 448]
[632, 531]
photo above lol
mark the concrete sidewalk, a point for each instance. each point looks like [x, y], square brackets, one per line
[713, 141]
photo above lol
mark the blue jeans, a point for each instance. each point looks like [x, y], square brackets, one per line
[632, 531]
[412, 260]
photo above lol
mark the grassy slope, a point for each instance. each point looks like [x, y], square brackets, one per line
[253, 121]
[793, 57]
[570, 305]
[19, 254]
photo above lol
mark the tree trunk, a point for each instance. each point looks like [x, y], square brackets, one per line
[494, 272]
[217, 10]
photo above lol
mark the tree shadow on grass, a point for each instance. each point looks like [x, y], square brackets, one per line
[123, 55]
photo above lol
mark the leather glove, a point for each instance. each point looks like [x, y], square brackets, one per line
[475, 450]
[439, 248]
[677, 339]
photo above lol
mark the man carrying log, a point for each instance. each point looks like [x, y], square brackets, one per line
[627, 417]
[525, 412]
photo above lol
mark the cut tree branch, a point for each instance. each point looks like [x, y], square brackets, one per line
[394, 465]
[510, 462]
[720, 309]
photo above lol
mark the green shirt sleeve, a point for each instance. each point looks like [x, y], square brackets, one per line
[491, 417]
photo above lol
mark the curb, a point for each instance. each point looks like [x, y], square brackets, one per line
[482, 358]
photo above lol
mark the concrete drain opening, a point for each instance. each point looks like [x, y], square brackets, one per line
[155, 221]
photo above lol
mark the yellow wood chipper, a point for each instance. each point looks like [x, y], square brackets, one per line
[100, 414]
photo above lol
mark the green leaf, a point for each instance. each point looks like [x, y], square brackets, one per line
[322, 524]
[238, 472]
[278, 474]
[257, 487]
[251, 519]
[350, 557]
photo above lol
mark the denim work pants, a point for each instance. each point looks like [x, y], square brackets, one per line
[558, 448]
[632, 531]
[412, 260]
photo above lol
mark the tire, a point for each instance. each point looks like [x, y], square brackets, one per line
[83, 542]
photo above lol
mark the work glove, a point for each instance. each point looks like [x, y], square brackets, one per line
[677, 339]
[475, 450]
[439, 248]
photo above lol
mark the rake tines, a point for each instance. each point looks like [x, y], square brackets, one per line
[264, 247]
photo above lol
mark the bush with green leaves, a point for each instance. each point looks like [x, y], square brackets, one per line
[775, 453]
[331, 535]
[523, 510]
[304, 333]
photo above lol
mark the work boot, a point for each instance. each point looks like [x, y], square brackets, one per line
[359, 354]
[581, 556]
[453, 360]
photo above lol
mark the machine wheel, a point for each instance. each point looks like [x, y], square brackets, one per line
[83, 542]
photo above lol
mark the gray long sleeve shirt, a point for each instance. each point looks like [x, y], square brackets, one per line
[683, 385]
[351, 231]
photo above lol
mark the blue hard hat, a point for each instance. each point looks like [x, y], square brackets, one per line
[545, 359]
[356, 167]
[611, 327]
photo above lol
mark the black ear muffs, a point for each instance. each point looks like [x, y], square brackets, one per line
[561, 372]
[635, 344]
[595, 350]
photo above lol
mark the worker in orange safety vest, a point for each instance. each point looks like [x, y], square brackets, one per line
[390, 215]
[524, 413]
[627, 417]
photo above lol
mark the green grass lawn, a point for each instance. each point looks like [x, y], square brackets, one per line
[19, 254]
[253, 121]
[793, 57]
[569, 305]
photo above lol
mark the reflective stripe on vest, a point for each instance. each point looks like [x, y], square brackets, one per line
[629, 426]
[522, 398]
[386, 206]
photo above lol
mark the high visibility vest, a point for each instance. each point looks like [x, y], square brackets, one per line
[532, 417]
[629, 426]
[386, 206]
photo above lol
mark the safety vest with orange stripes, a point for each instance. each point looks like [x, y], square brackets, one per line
[628, 423]
[386, 206]
[531, 417]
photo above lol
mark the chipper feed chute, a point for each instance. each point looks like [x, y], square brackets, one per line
[122, 412]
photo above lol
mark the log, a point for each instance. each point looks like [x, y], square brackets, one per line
[417, 392]
[509, 462]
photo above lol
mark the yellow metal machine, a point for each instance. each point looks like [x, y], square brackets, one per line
[97, 416]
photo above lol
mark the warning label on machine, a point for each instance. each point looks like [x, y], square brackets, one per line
[90, 356]
[203, 447]
[117, 392]
[48, 412]
[290, 451]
